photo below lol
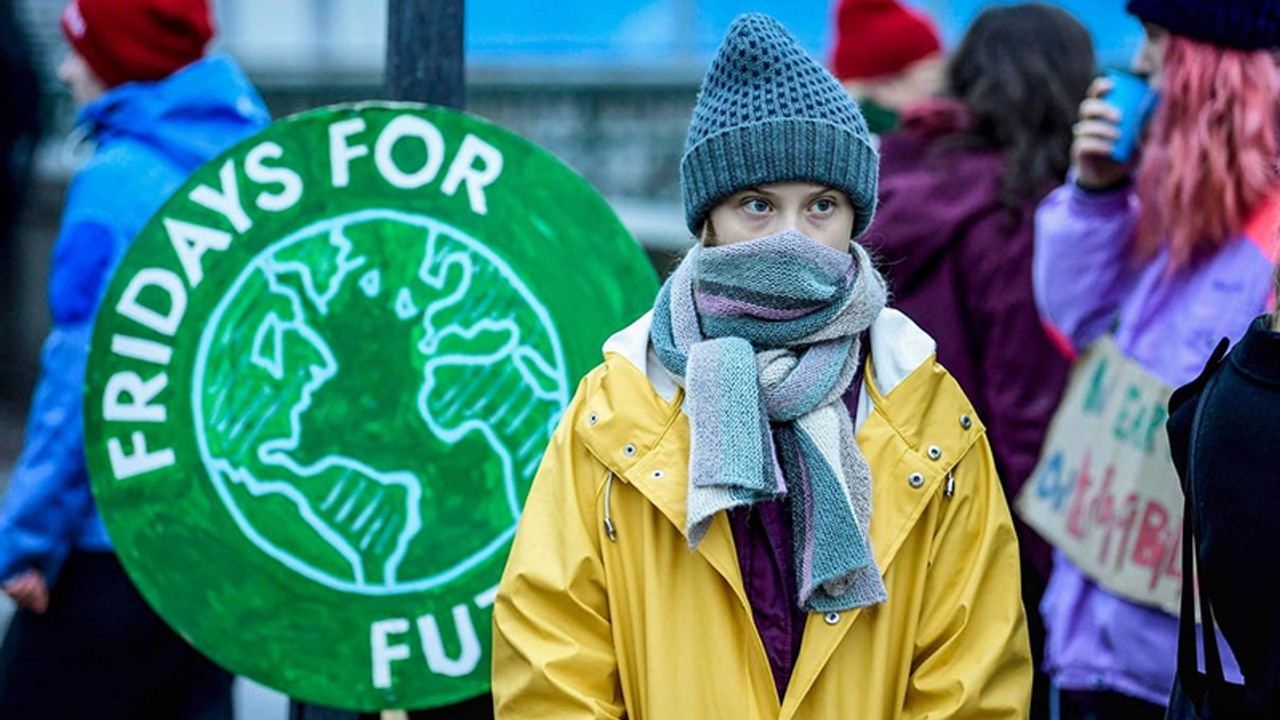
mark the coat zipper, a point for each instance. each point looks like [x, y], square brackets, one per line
[608, 522]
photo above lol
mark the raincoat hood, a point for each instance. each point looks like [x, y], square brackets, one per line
[186, 117]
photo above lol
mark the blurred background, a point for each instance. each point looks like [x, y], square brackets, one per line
[605, 85]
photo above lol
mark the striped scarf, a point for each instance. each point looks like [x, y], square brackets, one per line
[764, 337]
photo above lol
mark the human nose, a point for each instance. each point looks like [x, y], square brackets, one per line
[791, 219]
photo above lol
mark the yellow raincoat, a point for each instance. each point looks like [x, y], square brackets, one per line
[605, 612]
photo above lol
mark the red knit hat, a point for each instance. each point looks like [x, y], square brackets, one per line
[875, 38]
[126, 40]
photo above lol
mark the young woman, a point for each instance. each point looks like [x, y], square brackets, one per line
[1167, 258]
[769, 501]
[959, 184]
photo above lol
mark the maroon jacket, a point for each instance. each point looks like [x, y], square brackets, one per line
[959, 264]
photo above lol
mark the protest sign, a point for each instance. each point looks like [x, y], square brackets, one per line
[321, 382]
[1105, 491]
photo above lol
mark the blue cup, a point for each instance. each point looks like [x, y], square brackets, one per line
[1135, 100]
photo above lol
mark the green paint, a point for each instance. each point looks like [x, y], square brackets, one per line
[320, 387]
[1138, 419]
[1095, 400]
[1130, 415]
[1159, 414]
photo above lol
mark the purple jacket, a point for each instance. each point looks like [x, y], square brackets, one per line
[1087, 284]
[959, 264]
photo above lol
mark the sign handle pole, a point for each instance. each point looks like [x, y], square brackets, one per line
[425, 60]
[425, 64]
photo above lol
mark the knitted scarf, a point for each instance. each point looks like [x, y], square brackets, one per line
[764, 338]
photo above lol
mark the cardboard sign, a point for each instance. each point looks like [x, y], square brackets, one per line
[1105, 491]
[322, 380]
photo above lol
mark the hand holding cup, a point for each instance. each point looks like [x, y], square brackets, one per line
[1112, 118]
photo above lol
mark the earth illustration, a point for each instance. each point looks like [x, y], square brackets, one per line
[372, 397]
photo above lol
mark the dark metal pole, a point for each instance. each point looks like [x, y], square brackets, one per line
[425, 64]
[425, 61]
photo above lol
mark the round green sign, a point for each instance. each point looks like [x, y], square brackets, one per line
[322, 379]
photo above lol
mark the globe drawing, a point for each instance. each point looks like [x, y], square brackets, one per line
[372, 397]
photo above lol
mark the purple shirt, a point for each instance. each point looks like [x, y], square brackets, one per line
[1086, 285]
[762, 536]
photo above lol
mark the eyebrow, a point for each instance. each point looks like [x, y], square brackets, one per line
[761, 191]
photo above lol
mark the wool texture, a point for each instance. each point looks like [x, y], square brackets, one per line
[137, 40]
[764, 338]
[769, 113]
[880, 38]
[1239, 24]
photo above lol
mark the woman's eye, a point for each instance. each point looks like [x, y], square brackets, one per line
[756, 206]
[823, 206]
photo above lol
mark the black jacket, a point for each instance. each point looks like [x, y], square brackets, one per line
[1237, 492]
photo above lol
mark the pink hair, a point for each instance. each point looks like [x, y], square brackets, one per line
[1210, 156]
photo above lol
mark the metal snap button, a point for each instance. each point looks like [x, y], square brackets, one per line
[592, 418]
[966, 422]
[832, 618]
[915, 479]
[935, 452]
[629, 450]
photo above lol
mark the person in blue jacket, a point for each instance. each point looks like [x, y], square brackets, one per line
[83, 642]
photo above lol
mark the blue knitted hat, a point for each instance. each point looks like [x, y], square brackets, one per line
[767, 113]
[1240, 24]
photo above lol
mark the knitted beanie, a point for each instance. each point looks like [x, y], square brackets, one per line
[127, 40]
[1239, 24]
[769, 113]
[875, 38]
